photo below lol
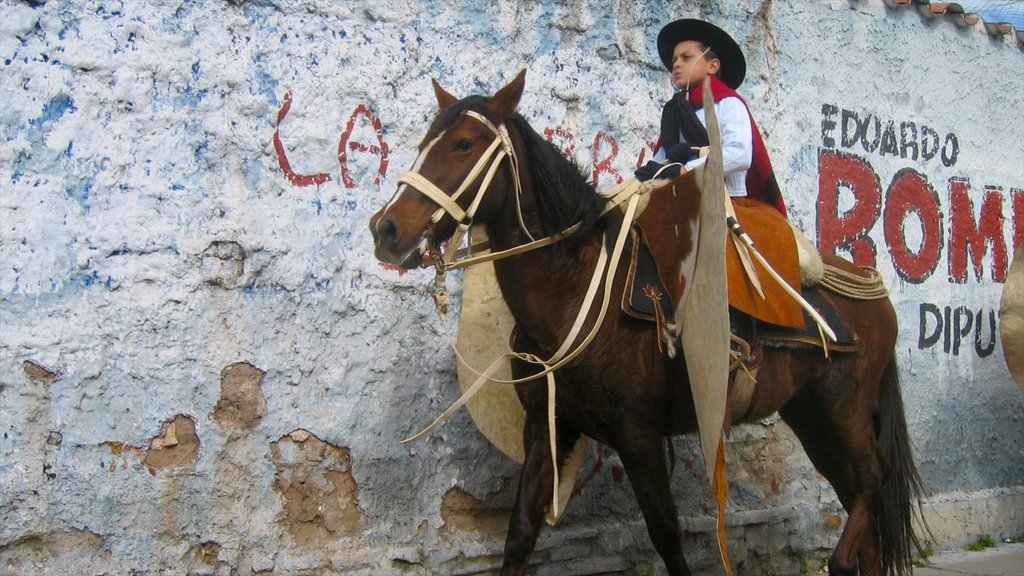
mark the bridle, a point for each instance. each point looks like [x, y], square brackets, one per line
[499, 149]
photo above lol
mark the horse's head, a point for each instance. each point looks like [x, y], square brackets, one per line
[454, 180]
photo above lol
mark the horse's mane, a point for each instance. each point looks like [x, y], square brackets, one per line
[564, 194]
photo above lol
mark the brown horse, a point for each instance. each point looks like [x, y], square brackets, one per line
[847, 410]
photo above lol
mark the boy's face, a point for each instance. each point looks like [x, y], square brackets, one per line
[690, 67]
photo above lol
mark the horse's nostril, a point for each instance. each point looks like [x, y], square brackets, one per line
[387, 233]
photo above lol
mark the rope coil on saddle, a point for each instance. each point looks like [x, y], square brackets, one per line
[855, 286]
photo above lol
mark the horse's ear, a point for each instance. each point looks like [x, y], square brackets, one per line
[503, 104]
[444, 99]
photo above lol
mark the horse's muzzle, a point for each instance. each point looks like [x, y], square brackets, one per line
[387, 234]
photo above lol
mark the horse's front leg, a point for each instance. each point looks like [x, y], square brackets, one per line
[535, 488]
[643, 458]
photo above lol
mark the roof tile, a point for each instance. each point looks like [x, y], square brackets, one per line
[961, 17]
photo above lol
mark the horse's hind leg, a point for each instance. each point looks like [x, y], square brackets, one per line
[535, 489]
[644, 461]
[835, 424]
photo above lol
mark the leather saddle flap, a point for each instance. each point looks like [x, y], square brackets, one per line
[846, 340]
[773, 238]
[645, 291]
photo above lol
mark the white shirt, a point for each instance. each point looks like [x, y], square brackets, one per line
[737, 143]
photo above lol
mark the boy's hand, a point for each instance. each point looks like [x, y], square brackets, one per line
[647, 171]
[681, 152]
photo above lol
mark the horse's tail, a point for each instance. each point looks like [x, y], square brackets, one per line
[902, 489]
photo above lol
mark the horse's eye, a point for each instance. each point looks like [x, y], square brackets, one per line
[463, 145]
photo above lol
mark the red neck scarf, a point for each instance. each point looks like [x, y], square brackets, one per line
[761, 183]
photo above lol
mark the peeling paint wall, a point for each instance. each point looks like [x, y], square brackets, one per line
[205, 371]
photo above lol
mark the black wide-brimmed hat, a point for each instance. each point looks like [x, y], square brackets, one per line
[734, 65]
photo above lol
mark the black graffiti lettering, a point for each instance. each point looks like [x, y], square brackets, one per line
[889, 145]
[950, 150]
[985, 351]
[929, 310]
[873, 134]
[945, 330]
[828, 124]
[851, 136]
[908, 142]
[963, 320]
[873, 145]
[953, 326]
[929, 137]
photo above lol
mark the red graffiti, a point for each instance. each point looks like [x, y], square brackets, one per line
[568, 141]
[653, 146]
[282, 156]
[1018, 218]
[837, 170]
[345, 145]
[911, 193]
[967, 238]
[605, 165]
[971, 238]
[582, 483]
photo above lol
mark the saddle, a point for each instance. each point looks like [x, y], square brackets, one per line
[656, 244]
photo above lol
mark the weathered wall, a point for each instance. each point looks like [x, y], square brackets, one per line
[204, 370]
